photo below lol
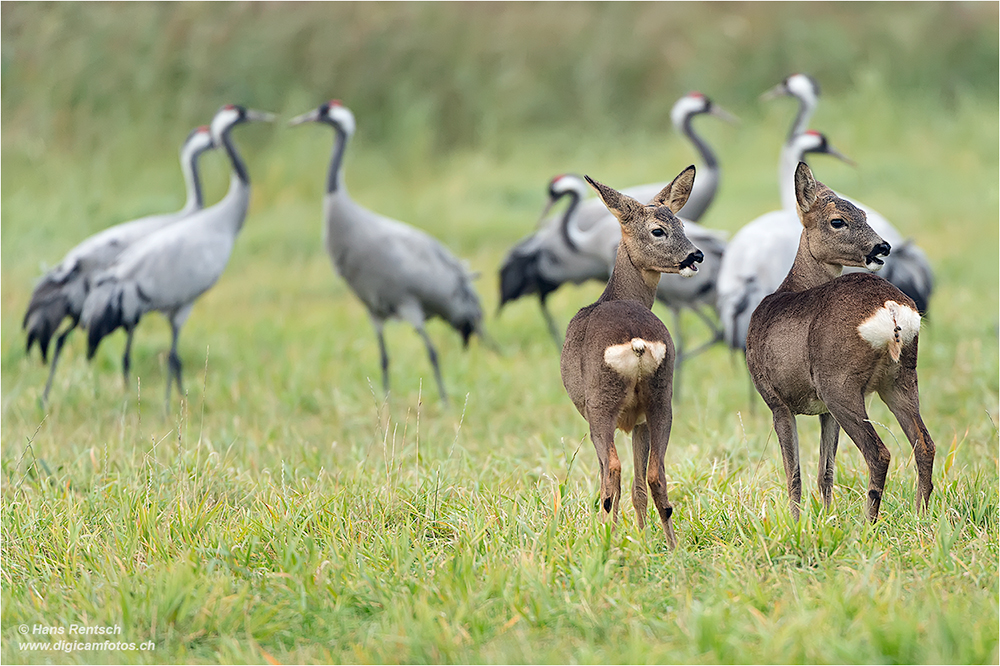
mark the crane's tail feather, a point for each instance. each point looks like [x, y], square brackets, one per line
[911, 273]
[109, 305]
[51, 302]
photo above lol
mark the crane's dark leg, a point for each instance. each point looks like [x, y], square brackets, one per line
[551, 323]
[717, 333]
[432, 354]
[174, 363]
[55, 359]
[127, 355]
[678, 350]
[378, 323]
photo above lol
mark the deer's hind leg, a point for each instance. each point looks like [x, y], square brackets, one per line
[660, 418]
[640, 459]
[829, 434]
[904, 403]
[602, 434]
[849, 410]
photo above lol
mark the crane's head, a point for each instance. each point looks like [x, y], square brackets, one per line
[565, 184]
[559, 187]
[812, 141]
[801, 86]
[695, 103]
[197, 142]
[332, 113]
[231, 115]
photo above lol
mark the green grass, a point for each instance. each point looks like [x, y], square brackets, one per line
[285, 512]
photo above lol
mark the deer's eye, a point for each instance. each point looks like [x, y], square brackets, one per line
[658, 232]
[837, 223]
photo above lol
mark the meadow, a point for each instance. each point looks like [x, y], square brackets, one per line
[286, 511]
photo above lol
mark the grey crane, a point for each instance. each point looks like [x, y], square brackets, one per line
[907, 267]
[806, 90]
[707, 183]
[759, 255]
[168, 270]
[397, 271]
[548, 258]
[61, 292]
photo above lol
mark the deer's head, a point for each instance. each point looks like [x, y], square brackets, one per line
[652, 234]
[836, 231]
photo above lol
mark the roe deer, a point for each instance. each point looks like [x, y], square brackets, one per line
[823, 341]
[618, 359]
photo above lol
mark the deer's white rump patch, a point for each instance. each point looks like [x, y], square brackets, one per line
[635, 359]
[892, 326]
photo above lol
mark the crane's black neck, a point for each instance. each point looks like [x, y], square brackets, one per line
[706, 153]
[801, 119]
[574, 201]
[333, 175]
[192, 181]
[199, 200]
[239, 167]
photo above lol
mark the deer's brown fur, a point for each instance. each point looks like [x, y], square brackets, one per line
[618, 359]
[823, 341]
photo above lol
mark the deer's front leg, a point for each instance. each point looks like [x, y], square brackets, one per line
[660, 419]
[903, 401]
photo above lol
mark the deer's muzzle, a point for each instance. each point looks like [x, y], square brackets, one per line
[687, 267]
[872, 261]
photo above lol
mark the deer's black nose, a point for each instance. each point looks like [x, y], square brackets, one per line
[695, 257]
[880, 250]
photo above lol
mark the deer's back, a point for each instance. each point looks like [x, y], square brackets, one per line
[856, 331]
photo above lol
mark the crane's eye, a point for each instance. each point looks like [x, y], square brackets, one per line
[658, 232]
[837, 223]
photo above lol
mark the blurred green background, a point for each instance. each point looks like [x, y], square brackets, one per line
[98, 96]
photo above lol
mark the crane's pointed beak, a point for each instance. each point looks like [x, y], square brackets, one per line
[840, 156]
[541, 218]
[311, 116]
[776, 91]
[722, 114]
[262, 116]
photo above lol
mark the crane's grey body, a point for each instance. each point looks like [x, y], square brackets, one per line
[167, 271]
[397, 271]
[412, 274]
[61, 293]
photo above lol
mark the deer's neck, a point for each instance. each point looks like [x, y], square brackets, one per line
[808, 271]
[629, 282]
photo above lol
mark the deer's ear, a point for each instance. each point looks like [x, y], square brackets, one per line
[676, 194]
[806, 187]
[621, 205]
